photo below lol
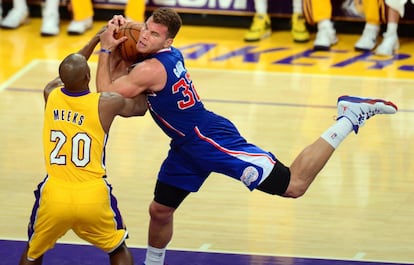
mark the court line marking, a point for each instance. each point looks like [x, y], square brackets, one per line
[35, 62]
[19, 74]
[205, 247]
[235, 252]
[328, 75]
[360, 255]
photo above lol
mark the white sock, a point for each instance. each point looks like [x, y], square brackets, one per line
[260, 6]
[392, 28]
[372, 26]
[337, 132]
[155, 256]
[325, 23]
[297, 6]
[20, 5]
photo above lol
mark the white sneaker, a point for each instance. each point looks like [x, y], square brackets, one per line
[15, 18]
[325, 38]
[368, 39]
[357, 110]
[50, 25]
[388, 45]
[79, 27]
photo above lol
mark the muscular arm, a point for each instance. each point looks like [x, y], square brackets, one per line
[88, 49]
[148, 75]
[112, 104]
[136, 106]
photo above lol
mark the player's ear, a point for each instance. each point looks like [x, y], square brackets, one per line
[168, 42]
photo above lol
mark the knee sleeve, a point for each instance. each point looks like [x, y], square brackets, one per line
[168, 195]
[277, 181]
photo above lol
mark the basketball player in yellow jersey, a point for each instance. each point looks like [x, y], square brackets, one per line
[75, 193]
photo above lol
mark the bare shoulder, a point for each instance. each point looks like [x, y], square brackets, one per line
[148, 66]
[150, 73]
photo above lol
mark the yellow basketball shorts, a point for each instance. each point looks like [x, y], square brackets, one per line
[88, 208]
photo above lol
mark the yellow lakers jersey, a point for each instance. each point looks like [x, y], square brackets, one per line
[73, 138]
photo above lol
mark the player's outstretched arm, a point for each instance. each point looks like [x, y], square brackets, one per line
[112, 104]
[136, 106]
[88, 49]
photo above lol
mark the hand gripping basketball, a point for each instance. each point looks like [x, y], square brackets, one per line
[128, 48]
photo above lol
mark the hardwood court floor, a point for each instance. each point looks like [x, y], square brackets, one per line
[281, 96]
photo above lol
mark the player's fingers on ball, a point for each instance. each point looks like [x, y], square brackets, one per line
[121, 39]
[112, 28]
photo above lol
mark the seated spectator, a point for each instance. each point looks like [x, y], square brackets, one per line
[373, 11]
[390, 42]
[299, 31]
[261, 26]
[16, 16]
[319, 12]
[82, 20]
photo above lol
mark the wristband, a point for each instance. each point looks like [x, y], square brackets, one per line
[105, 51]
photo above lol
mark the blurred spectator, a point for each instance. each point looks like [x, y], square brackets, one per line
[261, 26]
[390, 42]
[299, 31]
[135, 10]
[319, 12]
[374, 14]
[82, 15]
[17, 15]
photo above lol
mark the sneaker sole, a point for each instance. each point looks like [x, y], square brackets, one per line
[264, 36]
[321, 48]
[44, 34]
[358, 49]
[297, 39]
[370, 101]
[24, 22]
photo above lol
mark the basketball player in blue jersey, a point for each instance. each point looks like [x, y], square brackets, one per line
[75, 193]
[203, 142]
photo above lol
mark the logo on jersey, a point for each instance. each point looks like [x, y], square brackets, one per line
[250, 175]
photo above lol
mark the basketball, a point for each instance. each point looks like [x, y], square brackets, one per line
[128, 48]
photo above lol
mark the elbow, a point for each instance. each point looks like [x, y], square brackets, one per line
[142, 111]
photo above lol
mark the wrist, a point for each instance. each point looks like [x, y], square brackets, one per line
[107, 51]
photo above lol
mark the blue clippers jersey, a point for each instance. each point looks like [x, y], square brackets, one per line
[177, 108]
[207, 142]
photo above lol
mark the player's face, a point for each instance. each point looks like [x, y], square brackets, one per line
[153, 37]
